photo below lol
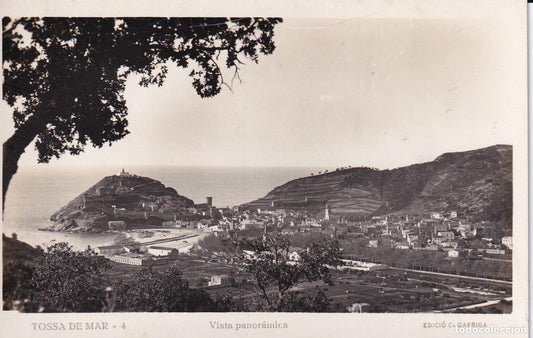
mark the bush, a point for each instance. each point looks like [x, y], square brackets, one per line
[152, 291]
[57, 280]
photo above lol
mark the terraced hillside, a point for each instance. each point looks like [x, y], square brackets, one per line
[477, 182]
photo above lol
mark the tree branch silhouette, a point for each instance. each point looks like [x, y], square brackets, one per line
[65, 77]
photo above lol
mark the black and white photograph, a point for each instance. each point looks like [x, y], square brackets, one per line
[266, 175]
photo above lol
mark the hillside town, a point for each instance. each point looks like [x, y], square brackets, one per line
[441, 259]
[370, 161]
[449, 232]
[158, 228]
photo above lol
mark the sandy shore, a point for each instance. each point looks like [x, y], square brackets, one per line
[148, 235]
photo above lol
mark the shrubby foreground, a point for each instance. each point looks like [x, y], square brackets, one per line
[59, 279]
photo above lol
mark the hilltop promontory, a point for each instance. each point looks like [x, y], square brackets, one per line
[120, 200]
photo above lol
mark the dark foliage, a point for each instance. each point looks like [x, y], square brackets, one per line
[17, 288]
[57, 280]
[277, 268]
[294, 301]
[152, 291]
[15, 250]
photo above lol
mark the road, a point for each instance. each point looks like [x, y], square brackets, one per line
[497, 259]
[473, 306]
[455, 276]
[168, 239]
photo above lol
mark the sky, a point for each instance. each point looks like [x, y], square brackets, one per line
[376, 92]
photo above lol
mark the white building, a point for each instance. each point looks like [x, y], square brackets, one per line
[450, 244]
[110, 249]
[159, 250]
[446, 234]
[468, 233]
[356, 307]
[326, 213]
[294, 256]
[249, 254]
[137, 259]
[495, 251]
[214, 228]
[373, 243]
[124, 173]
[508, 242]
[116, 225]
[221, 280]
[453, 253]
[348, 264]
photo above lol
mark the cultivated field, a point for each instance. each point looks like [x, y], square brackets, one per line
[390, 290]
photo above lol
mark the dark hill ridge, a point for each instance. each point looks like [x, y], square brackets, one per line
[14, 250]
[130, 198]
[477, 182]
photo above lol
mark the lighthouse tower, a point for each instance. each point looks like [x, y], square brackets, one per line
[326, 215]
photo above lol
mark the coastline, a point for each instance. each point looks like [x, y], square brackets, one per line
[169, 237]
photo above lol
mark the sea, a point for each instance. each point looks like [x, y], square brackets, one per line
[36, 192]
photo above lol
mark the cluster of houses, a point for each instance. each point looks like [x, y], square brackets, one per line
[158, 211]
[435, 231]
[293, 258]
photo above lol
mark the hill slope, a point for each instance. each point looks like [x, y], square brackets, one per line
[477, 182]
[14, 250]
[130, 198]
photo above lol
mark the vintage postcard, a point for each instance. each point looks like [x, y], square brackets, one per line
[250, 169]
